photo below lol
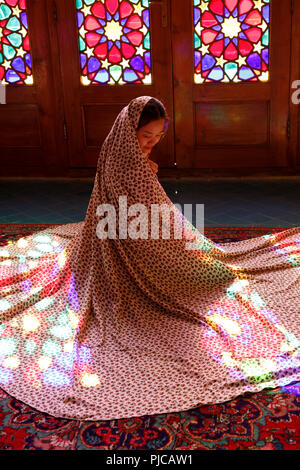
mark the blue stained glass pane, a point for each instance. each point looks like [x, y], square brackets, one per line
[80, 19]
[12, 76]
[137, 64]
[146, 18]
[266, 13]
[126, 30]
[235, 41]
[102, 22]
[18, 64]
[110, 45]
[235, 13]
[130, 75]
[220, 36]
[265, 55]
[125, 39]
[243, 36]
[122, 22]
[117, 16]
[100, 31]
[226, 41]
[219, 18]
[102, 76]
[196, 15]
[147, 58]
[197, 57]
[83, 60]
[28, 60]
[103, 39]
[242, 17]
[24, 19]
[217, 27]
[245, 73]
[108, 16]
[216, 74]
[254, 61]
[226, 13]
[93, 64]
[207, 62]
[118, 44]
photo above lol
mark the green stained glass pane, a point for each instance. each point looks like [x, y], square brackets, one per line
[13, 24]
[147, 41]
[15, 39]
[81, 44]
[15, 57]
[265, 38]
[197, 42]
[231, 41]
[114, 42]
[5, 11]
[8, 51]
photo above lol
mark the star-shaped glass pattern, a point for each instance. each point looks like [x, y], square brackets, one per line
[231, 40]
[15, 58]
[114, 41]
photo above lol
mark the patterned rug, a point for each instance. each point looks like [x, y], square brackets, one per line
[269, 420]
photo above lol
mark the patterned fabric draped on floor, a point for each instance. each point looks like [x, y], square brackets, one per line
[266, 420]
[96, 328]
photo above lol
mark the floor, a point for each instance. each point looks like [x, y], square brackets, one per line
[227, 202]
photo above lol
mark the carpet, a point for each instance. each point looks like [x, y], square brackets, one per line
[269, 420]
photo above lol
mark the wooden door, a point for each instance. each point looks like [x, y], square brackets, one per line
[110, 52]
[29, 121]
[231, 83]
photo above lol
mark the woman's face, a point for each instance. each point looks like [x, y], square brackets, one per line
[149, 135]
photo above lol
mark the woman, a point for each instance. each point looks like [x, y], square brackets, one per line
[152, 127]
[103, 320]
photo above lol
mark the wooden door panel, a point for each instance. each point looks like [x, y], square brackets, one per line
[28, 141]
[231, 124]
[90, 109]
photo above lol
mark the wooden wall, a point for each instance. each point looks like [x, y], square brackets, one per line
[55, 127]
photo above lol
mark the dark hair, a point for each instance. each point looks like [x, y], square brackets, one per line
[153, 111]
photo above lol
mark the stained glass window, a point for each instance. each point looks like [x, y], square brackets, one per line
[231, 40]
[15, 59]
[114, 41]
